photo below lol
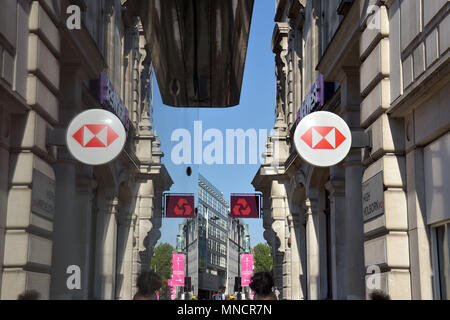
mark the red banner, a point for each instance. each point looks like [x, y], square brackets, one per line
[245, 205]
[179, 206]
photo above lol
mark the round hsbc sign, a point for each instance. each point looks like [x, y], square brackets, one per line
[95, 137]
[323, 139]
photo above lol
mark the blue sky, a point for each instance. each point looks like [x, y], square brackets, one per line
[256, 110]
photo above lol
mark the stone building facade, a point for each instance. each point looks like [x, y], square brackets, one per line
[59, 218]
[380, 219]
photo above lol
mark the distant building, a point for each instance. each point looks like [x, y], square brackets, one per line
[238, 243]
[213, 246]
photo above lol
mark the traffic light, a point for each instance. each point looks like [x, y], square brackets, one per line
[187, 284]
[237, 284]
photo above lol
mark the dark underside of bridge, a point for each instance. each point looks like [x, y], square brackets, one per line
[198, 48]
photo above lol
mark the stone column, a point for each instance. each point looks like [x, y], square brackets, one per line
[280, 211]
[106, 246]
[300, 227]
[312, 250]
[296, 292]
[419, 233]
[336, 189]
[125, 236]
[144, 211]
[63, 232]
[85, 186]
[353, 170]
[72, 235]
[5, 121]
[69, 223]
[354, 232]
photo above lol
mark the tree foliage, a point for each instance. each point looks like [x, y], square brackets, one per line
[162, 264]
[262, 259]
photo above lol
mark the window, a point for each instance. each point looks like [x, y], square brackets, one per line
[441, 261]
[222, 262]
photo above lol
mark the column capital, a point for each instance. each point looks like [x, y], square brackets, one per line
[310, 205]
[115, 207]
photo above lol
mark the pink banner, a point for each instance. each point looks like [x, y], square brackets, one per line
[178, 270]
[246, 269]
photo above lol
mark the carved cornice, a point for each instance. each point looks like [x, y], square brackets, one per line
[280, 31]
[297, 14]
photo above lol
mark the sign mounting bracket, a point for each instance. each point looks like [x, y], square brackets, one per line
[362, 139]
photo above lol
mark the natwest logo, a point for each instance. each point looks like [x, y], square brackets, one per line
[95, 136]
[182, 208]
[179, 205]
[245, 205]
[325, 138]
[242, 208]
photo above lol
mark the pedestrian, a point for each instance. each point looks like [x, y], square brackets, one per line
[262, 284]
[148, 283]
[29, 295]
[379, 295]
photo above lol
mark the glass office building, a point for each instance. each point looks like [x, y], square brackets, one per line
[214, 242]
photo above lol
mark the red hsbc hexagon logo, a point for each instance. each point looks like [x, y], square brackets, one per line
[326, 138]
[322, 139]
[95, 136]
